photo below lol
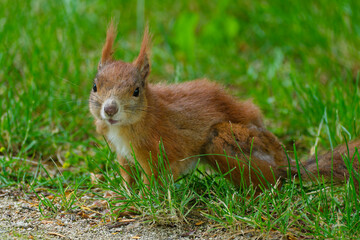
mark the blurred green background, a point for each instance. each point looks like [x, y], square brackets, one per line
[298, 60]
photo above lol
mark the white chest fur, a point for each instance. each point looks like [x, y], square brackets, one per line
[120, 143]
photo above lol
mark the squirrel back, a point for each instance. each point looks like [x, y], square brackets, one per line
[191, 119]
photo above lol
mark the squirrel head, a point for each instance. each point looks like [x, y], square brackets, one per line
[119, 90]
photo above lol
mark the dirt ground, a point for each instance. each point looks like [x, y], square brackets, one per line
[20, 218]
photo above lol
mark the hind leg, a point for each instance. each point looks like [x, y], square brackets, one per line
[253, 154]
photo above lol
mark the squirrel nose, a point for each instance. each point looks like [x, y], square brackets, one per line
[111, 109]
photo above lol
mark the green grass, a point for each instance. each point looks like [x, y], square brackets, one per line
[298, 61]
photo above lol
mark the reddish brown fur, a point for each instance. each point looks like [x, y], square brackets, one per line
[107, 50]
[192, 118]
[142, 61]
[335, 160]
[256, 150]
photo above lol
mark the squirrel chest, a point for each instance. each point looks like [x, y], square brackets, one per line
[120, 143]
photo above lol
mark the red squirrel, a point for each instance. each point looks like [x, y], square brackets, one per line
[192, 119]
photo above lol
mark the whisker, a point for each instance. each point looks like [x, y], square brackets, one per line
[72, 101]
[66, 80]
[96, 104]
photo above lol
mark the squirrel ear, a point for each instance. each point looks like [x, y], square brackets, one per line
[107, 50]
[142, 61]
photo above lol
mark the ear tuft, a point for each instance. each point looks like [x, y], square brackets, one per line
[107, 50]
[142, 61]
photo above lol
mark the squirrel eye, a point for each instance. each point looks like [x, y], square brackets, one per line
[136, 92]
[94, 87]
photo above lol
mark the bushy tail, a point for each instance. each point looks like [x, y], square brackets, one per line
[338, 165]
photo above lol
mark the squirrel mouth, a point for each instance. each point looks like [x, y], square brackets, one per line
[111, 121]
